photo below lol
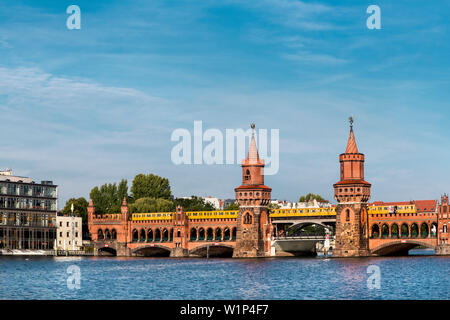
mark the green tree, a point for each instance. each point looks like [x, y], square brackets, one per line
[274, 206]
[108, 198]
[232, 206]
[194, 204]
[310, 197]
[79, 207]
[145, 205]
[150, 186]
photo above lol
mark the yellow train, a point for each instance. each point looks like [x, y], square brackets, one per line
[152, 216]
[394, 209]
[274, 213]
[192, 215]
[305, 212]
[224, 214]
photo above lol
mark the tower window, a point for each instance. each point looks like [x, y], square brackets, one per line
[247, 175]
[347, 215]
[247, 218]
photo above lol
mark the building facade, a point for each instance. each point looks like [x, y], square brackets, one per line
[69, 233]
[443, 226]
[27, 213]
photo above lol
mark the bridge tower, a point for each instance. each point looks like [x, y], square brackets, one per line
[253, 230]
[352, 194]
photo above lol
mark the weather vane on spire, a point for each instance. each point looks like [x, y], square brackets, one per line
[351, 122]
[253, 128]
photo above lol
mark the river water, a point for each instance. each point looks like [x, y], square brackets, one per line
[411, 277]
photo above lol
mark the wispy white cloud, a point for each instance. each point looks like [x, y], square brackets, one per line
[314, 58]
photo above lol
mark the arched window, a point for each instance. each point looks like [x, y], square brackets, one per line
[385, 231]
[218, 234]
[394, 231]
[142, 236]
[209, 234]
[347, 215]
[113, 234]
[375, 231]
[135, 235]
[247, 218]
[100, 234]
[414, 230]
[226, 234]
[149, 235]
[193, 234]
[424, 230]
[201, 234]
[247, 174]
[404, 230]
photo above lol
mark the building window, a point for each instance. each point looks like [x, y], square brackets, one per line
[247, 218]
[60, 234]
[67, 233]
[60, 223]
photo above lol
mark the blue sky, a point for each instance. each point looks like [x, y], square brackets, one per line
[85, 107]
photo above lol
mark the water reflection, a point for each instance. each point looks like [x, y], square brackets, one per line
[413, 277]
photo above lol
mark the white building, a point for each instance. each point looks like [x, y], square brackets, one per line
[69, 233]
[216, 202]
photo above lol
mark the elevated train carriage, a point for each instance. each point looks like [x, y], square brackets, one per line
[192, 215]
[392, 209]
[274, 213]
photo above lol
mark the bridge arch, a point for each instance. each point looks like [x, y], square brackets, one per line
[394, 231]
[134, 235]
[165, 235]
[142, 235]
[226, 234]
[404, 229]
[193, 234]
[209, 234]
[414, 230]
[424, 230]
[220, 250]
[150, 235]
[375, 231]
[218, 234]
[309, 223]
[433, 229]
[157, 235]
[107, 251]
[201, 234]
[385, 231]
[399, 247]
[154, 250]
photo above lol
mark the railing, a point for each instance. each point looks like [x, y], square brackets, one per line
[74, 253]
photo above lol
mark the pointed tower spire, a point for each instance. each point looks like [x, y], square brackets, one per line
[253, 156]
[351, 144]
